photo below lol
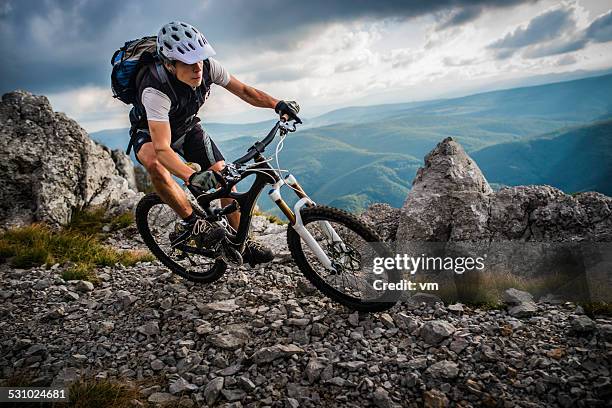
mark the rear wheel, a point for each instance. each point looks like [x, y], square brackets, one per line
[155, 221]
[351, 283]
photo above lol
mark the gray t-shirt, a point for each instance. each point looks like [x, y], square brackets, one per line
[157, 103]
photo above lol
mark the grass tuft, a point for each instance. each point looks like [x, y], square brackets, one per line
[92, 222]
[37, 245]
[102, 394]
[270, 217]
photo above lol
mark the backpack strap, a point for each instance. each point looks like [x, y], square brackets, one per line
[163, 77]
[207, 78]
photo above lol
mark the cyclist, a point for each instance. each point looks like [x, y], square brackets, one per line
[165, 125]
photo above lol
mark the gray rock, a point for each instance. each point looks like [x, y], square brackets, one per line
[313, 369]
[56, 313]
[161, 398]
[233, 337]
[456, 308]
[353, 319]
[582, 324]
[444, 369]
[125, 167]
[42, 184]
[223, 306]
[246, 384]
[516, 297]
[157, 364]
[233, 395]
[433, 332]
[181, 385]
[405, 322]
[269, 354]
[124, 298]
[212, 390]
[150, 328]
[523, 310]
[106, 327]
[381, 398]
[451, 200]
[84, 286]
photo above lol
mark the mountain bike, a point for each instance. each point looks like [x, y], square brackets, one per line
[331, 247]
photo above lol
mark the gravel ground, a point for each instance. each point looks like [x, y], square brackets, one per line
[264, 337]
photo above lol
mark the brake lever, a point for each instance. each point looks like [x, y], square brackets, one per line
[288, 126]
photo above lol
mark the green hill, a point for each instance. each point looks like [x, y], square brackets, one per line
[357, 155]
[573, 160]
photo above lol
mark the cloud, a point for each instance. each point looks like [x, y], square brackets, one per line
[553, 33]
[600, 30]
[566, 60]
[597, 31]
[543, 27]
[460, 17]
[56, 45]
[556, 47]
[458, 62]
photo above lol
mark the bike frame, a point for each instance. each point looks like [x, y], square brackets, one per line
[264, 175]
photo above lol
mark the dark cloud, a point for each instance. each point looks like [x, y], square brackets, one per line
[460, 17]
[58, 44]
[599, 30]
[541, 28]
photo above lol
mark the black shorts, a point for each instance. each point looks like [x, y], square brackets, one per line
[197, 146]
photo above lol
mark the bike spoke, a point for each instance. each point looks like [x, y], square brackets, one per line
[351, 277]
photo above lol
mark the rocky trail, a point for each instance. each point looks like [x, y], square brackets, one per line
[264, 337]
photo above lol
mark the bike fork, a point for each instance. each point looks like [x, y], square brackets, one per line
[295, 218]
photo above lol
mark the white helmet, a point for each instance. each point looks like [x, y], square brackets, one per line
[183, 42]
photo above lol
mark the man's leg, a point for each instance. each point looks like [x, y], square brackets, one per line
[233, 218]
[168, 189]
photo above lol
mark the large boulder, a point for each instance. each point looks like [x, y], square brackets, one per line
[534, 231]
[50, 167]
[451, 200]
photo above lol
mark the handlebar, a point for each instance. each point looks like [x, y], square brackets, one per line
[260, 146]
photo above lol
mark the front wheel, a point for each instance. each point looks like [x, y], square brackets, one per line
[350, 281]
[156, 221]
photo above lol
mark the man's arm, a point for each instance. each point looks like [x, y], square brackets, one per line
[161, 137]
[250, 95]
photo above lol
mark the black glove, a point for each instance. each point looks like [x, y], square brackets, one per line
[289, 108]
[204, 180]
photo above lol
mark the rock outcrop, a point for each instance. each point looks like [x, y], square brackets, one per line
[451, 200]
[50, 166]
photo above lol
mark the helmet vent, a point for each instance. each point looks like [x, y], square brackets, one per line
[168, 46]
[200, 41]
[164, 31]
[174, 28]
[184, 25]
[179, 49]
[188, 34]
[191, 46]
[175, 37]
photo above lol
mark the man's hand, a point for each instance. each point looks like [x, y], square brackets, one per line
[203, 180]
[289, 108]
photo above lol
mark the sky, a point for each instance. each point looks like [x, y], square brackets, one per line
[325, 54]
